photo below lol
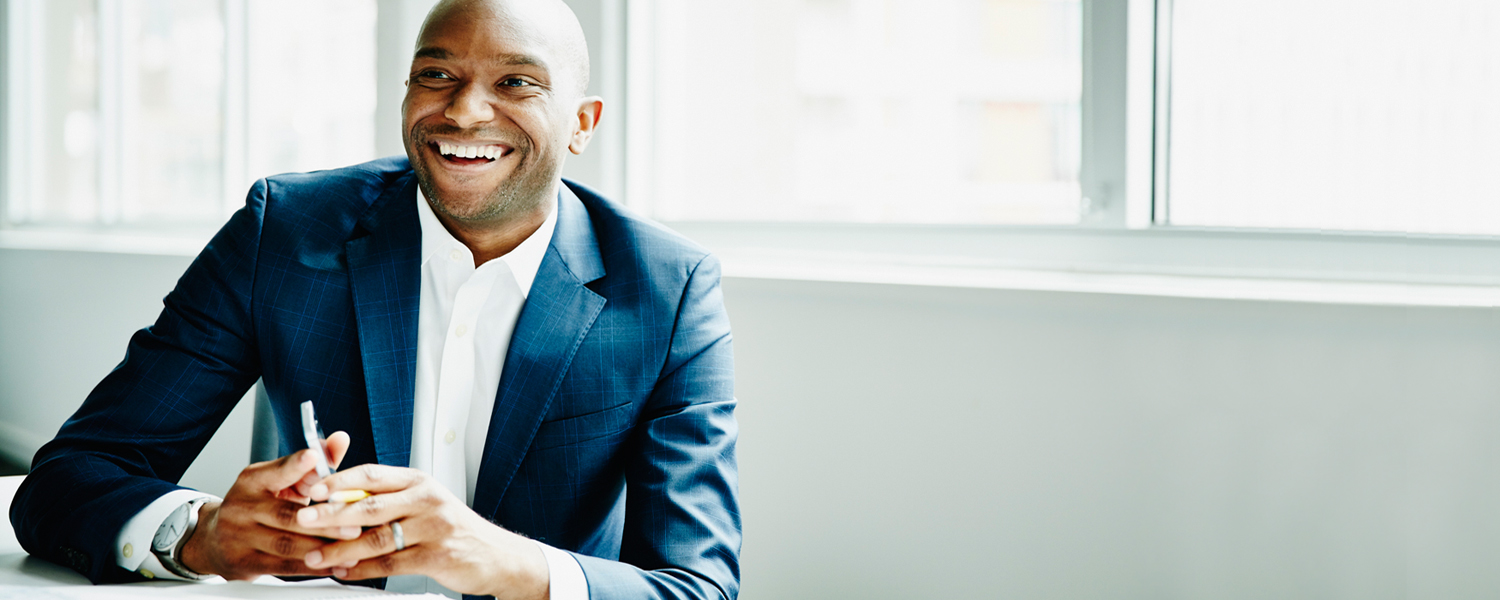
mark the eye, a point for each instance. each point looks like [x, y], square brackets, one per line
[515, 82]
[433, 74]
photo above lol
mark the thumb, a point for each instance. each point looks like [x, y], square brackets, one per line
[337, 445]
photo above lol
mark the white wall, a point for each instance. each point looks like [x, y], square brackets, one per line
[905, 442]
[65, 318]
[947, 443]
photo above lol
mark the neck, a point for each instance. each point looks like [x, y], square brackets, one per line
[491, 240]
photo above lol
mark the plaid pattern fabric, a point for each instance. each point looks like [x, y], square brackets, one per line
[613, 432]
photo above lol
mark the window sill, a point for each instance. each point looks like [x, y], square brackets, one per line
[111, 242]
[813, 268]
[1226, 265]
[1328, 268]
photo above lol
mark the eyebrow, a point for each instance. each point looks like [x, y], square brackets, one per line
[437, 53]
[432, 52]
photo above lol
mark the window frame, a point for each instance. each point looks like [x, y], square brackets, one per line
[9, 141]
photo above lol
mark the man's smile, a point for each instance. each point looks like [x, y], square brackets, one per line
[455, 153]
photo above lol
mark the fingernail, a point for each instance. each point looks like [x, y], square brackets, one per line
[307, 516]
[349, 532]
[313, 558]
[318, 491]
[340, 572]
[350, 564]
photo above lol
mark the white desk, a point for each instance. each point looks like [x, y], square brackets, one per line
[18, 569]
[8, 485]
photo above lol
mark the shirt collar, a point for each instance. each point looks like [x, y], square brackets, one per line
[524, 261]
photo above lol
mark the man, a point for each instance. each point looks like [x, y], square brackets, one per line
[504, 355]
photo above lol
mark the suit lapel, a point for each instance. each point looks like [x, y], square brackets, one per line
[558, 314]
[384, 273]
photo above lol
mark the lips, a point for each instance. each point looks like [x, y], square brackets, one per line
[470, 154]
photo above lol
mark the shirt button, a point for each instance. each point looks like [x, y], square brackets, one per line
[148, 574]
[127, 550]
[452, 435]
[460, 331]
[456, 255]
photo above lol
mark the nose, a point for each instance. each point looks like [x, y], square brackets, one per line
[470, 105]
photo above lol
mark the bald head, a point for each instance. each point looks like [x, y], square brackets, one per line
[550, 23]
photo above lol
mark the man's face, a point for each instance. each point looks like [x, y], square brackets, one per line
[489, 111]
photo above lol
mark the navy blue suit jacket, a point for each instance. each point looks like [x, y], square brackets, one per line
[613, 433]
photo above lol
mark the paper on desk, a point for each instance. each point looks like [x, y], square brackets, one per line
[265, 587]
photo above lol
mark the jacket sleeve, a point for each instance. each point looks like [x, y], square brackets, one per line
[143, 425]
[682, 520]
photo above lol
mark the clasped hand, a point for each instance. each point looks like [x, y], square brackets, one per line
[266, 525]
[254, 530]
[443, 538]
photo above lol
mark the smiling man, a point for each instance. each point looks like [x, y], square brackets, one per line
[535, 386]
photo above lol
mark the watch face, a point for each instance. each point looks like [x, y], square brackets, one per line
[171, 529]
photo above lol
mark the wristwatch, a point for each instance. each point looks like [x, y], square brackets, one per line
[173, 535]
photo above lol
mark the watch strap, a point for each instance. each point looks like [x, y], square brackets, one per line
[172, 559]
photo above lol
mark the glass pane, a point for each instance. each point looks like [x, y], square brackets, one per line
[60, 98]
[172, 111]
[312, 85]
[874, 111]
[123, 116]
[1326, 114]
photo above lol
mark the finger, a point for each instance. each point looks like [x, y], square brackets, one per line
[303, 487]
[375, 479]
[337, 446]
[376, 542]
[282, 515]
[279, 474]
[261, 563]
[405, 562]
[370, 512]
[281, 543]
[336, 533]
[291, 494]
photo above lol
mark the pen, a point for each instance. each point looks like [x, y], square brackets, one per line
[314, 437]
[348, 496]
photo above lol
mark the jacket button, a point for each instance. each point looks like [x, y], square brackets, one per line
[77, 560]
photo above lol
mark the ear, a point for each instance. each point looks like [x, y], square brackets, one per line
[589, 110]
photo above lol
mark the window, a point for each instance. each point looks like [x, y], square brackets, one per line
[1326, 114]
[1291, 114]
[865, 111]
[793, 142]
[312, 97]
[161, 112]
[1179, 137]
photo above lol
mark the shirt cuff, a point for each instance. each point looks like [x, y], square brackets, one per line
[133, 544]
[566, 580]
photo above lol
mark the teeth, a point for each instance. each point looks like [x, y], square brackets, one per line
[489, 151]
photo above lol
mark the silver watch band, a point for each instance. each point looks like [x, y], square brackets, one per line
[172, 560]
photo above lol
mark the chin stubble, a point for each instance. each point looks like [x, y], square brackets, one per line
[524, 191]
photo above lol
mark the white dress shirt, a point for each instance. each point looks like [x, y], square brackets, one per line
[465, 320]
